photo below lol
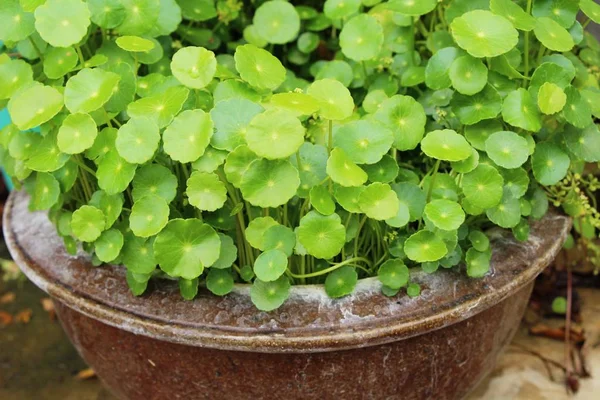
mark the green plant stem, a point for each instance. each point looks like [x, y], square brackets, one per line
[411, 41]
[541, 54]
[333, 268]
[36, 48]
[329, 149]
[80, 55]
[586, 23]
[87, 187]
[529, 5]
[77, 160]
[360, 226]
[436, 167]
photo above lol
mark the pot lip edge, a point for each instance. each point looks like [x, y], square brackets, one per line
[253, 340]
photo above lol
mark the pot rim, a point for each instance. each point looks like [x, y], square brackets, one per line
[308, 322]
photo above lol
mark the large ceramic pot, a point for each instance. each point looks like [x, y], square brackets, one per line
[363, 346]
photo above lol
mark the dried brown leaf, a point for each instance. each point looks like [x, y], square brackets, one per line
[24, 316]
[5, 319]
[85, 374]
[8, 298]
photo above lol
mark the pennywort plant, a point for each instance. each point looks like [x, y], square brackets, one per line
[277, 143]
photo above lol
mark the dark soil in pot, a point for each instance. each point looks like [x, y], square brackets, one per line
[438, 345]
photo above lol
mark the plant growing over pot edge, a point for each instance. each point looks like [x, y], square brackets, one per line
[280, 144]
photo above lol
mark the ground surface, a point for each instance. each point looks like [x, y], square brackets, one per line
[38, 362]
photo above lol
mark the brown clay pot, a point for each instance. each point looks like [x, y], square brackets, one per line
[363, 346]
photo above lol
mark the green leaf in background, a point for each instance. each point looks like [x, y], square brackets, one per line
[108, 246]
[552, 35]
[162, 107]
[277, 22]
[425, 246]
[379, 201]
[483, 105]
[46, 193]
[140, 17]
[507, 149]
[258, 67]
[551, 98]
[363, 141]
[205, 191]
[591, 9]
[519, 109]
[188, 136]
[77, 133]
[62, 23]
[549, 163]
[484, 34]
[280, 128]
[17, 24]
[154, 179]
[256, 230]
[185, 247]
[194, 67]
[138, 140]
[107, 14]
[87, 223]
[135, 44]
[322, 236]
[16, 74]
[89, 90]
[337, 9]
[269, 183]
[478, 263]
[507, 214]
[267, 296]
[437, 71]
[237, 163]
[231, 119]
[343, 171]
[33, 105]
[405, 117]
[138, 254]
[335, 101]
[561, 11]
[583, 143]
[468, 75]
[341, 282]
[512, 12]
[321, 200]
[412, 7]
[446, 145]
[219, 282]
[149, 215]
[59, 61]
[361, 38]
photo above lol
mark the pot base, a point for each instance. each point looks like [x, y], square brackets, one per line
[443, 365]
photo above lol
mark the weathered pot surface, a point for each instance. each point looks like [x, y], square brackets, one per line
[366, 345]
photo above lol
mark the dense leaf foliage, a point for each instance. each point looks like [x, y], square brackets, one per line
[281, 143]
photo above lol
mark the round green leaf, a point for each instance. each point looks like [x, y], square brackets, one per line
[210, 160]
[297, 103]
[483, 105]
[444, 214]
[365, 142]
[591, 9]
[279, 237]
[270, 265]
[321, 200]
[507, 149]
[334, 99]
[269, 183]
[343, 171]
[341, 282]
[237, 163]
[185, 247]
[425, 246]
[577, 110]
[205, 191]
[483, 186]
[33, 105]
[551, 98]
[507, 214]
[563, 12]
[406, 118]
[413, 196]
[583, 143]
[437, 71]
[516, 181]
[231, 118]
[258, 67]
[162, 107]
[519, 110]
[478, 263]
[16, 74]
[512, 12]
[138, 254]
[59, 61]
[114, 173]
[361, 38]
[62, 23]
[549, 163]
[413, 7]
[17, 24]
[478, 133]
[468, 75]
[311, 162]
[46, 192]
[479, 240]
[195, 67]
[385, 171]
[446, 145]
[279, 128]
[89, 90]
[379, 201]
[154, 179]
[140, 16]
[277, 22]
[219, 282]
[137, 140]
[256, 230]
[484, 34]
[347, 197]
[227, 255]
[77, 133]
[267, 296]
[135, 44]
[552, 35]
[149, 215]
[107, 14]
[337, 9]
[87, 223]
[188, 136]
[393, 273]
[108, 246]
[322, 236]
